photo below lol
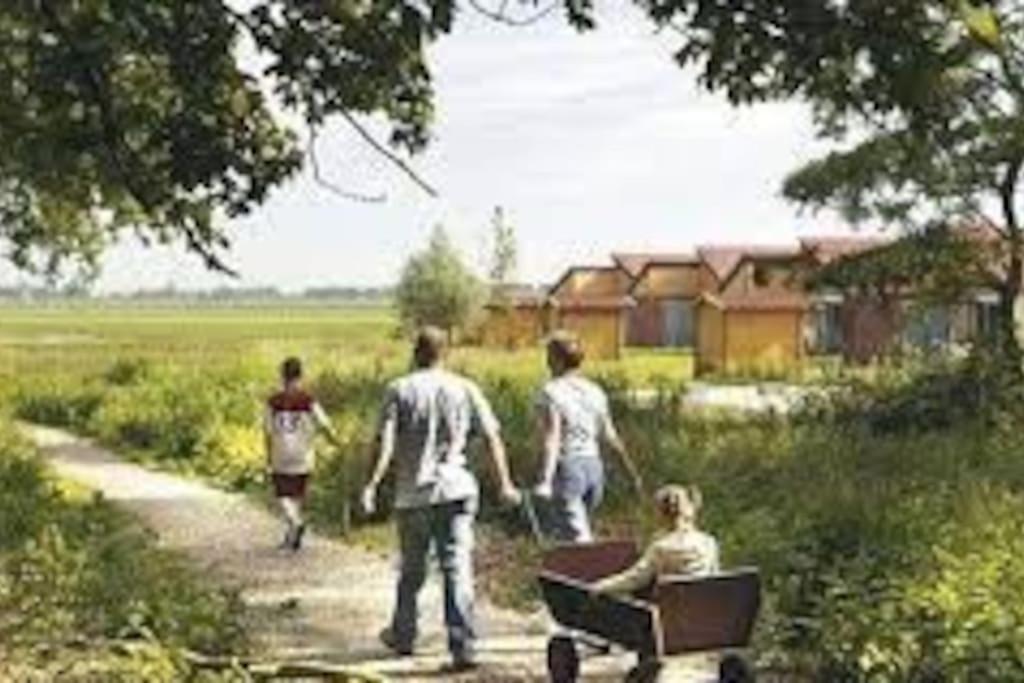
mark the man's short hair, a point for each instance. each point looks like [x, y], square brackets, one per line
[291, 369]
[567, 348]
[429, 346]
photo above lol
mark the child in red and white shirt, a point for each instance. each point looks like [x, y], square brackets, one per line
[291, 421]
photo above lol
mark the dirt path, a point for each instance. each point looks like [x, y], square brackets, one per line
[327, 602]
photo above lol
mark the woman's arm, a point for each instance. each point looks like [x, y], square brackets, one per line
[550, 431]
[611, 436]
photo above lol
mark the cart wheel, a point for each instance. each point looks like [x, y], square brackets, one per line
[563, 660]
[733, 669]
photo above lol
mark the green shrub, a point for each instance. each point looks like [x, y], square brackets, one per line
[76, 575]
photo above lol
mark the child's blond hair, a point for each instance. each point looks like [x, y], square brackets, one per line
[679, 503]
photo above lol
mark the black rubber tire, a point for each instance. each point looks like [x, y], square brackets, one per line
[734, 669]
[563, 660]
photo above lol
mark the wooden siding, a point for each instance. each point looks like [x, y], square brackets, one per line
[513, 327]
[763, 341]
[710, 339]
[601, 331]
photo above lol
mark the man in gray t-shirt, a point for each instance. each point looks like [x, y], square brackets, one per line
[427, 418]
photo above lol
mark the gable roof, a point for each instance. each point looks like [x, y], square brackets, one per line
[723, 260]
[573, 270]
[635, 263]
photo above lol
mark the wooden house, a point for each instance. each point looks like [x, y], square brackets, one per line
[593, 302]
[666, 288]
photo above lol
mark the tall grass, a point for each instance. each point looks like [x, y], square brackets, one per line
[888, 521]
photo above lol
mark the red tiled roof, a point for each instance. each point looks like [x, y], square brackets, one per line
[828, 249]
[758, 301]
[635, 263]
[723, 260]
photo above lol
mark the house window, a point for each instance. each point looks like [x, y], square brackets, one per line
[826, 329]
[761, 275]
[678, 323]
[986, 317]
[929, 328]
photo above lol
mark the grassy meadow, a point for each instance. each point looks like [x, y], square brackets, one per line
[887, 518]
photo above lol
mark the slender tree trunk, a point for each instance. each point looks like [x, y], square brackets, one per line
[1009, 332]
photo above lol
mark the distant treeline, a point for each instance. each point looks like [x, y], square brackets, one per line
[363, 295]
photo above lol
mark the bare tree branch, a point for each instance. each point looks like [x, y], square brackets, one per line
[388, 154]
[314, 163]
[501, 16]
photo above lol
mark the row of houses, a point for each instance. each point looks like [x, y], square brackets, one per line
[739, 308]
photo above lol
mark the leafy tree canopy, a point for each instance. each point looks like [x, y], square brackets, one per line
[120, 115]
[437, 288]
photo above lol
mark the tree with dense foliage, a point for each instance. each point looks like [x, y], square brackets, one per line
[437, 288]
[148, 117]
[923, 99]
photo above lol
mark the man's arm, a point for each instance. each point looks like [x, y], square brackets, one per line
[384, 447]
[495, 446]
[499, 459]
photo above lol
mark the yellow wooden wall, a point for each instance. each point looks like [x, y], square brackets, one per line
[601, 331]
[748, 341]
[762, 340]
[710, 339]
[513, 327]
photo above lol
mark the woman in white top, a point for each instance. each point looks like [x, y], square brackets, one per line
[574, 419]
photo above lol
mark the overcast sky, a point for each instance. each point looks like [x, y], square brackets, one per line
[592, 144]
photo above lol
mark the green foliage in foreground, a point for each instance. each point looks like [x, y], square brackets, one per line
[887, 520]
[85, 596]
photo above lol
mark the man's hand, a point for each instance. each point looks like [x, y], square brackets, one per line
[369, 499]
[510, 495]
[544, 490]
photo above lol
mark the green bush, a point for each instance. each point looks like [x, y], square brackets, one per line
[76, 576]
[886, 517]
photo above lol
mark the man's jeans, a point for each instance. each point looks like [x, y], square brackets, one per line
[449, 527]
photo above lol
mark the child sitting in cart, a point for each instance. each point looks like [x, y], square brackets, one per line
[681, 550]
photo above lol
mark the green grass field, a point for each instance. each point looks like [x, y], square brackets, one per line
[71, 339]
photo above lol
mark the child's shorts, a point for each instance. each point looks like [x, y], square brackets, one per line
[290, 485]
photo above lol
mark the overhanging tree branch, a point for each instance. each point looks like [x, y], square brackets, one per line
[388, 154]
[314, 163]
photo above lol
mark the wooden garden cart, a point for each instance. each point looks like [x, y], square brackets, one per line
[678, 615]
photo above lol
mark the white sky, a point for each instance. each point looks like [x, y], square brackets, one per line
[592, 144]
